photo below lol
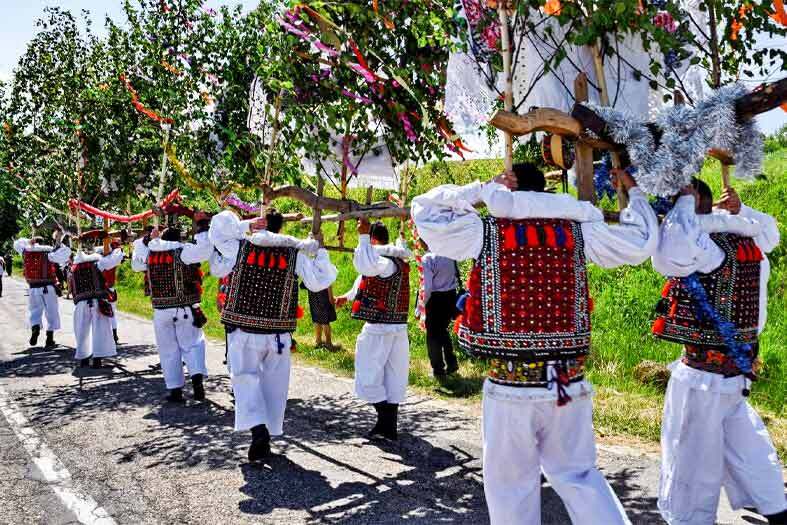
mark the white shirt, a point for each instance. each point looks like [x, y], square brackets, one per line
[447, 220]
[372, 261]
[103, 263]
[313, 264]
[193, 253]
[59, 256]
[685, 245]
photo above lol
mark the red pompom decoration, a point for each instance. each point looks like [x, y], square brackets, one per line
[741, 254]
[252, 258]
[665, 290]
[659, 325]
[282, 263]
[299, 312]
[551, 237]
[261, 259]
[457, 324]
[509, 238]
[532, 236]
[362, 286]
[356, 307]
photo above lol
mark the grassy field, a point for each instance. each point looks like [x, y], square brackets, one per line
[624, 301]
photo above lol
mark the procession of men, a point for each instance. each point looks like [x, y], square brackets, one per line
[526, 313]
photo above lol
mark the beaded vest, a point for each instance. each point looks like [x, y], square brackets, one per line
[86, 282]
[529, 305]
[173, 284]
[110, 277]
[384, 300]
[262, 294]
[733, 290]
[38, 269]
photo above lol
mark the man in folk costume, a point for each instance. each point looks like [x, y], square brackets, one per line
[715, 304]
[110, 278]
[39, 264]
[91, 294]
[381, 297]
[528, 312]
[175, 285]
[260, 313]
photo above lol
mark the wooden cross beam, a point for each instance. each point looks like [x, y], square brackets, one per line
[582, 119]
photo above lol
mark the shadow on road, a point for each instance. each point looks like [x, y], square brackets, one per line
[437, 478]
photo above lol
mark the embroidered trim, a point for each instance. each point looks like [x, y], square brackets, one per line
[384, 300]
[535, 373]
[733, 290]
[262, 292]
[528, 292]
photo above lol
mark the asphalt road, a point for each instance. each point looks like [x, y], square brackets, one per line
[112, 452]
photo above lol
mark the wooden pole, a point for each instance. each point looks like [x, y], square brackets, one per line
[162, 178]
[583, 164]
[106, 239]
[317, 212]
[508, 96]
[725, 175]
[603, 96]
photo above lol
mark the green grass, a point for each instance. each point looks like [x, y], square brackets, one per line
[624, 301]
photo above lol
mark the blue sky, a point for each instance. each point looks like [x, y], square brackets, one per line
[17, 26]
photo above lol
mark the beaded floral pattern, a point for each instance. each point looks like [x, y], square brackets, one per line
[714, 360]
[173, 284]
[528, 292]
[533, 373]
[733, 290]
[263, 291]
[384, 300]
[38, 270]
[86, 282]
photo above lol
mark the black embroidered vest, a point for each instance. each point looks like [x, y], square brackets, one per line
[262, 294]
[86, 282]
[529, 303]
[38, 269]
[173, 284]
[384, 300]
[733, 290]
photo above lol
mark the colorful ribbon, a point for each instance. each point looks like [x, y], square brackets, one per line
[141, 107]
[75, 204]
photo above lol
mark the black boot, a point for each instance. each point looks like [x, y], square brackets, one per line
[175, 396]
[198, 387]
[777, 519]
[34, 333]
[260, 443]
[391, 422]
[96, 363]
[115, 335]
[379, 426]
[84, 363]
[50, 339]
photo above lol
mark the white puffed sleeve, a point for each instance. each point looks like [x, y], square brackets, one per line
[110, 261]
[198, 251]
[350, 296]
[769, 238]
[448, 222]
[684, 247]
[631, 242]
[139, 257]
[368, 262]
[502, 202]
[21, 244]
[317, 272]
[226, 230]
[60, 255]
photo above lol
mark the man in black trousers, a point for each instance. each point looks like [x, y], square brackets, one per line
[441, 277]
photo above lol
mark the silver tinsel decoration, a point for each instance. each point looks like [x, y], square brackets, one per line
[688, 134]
